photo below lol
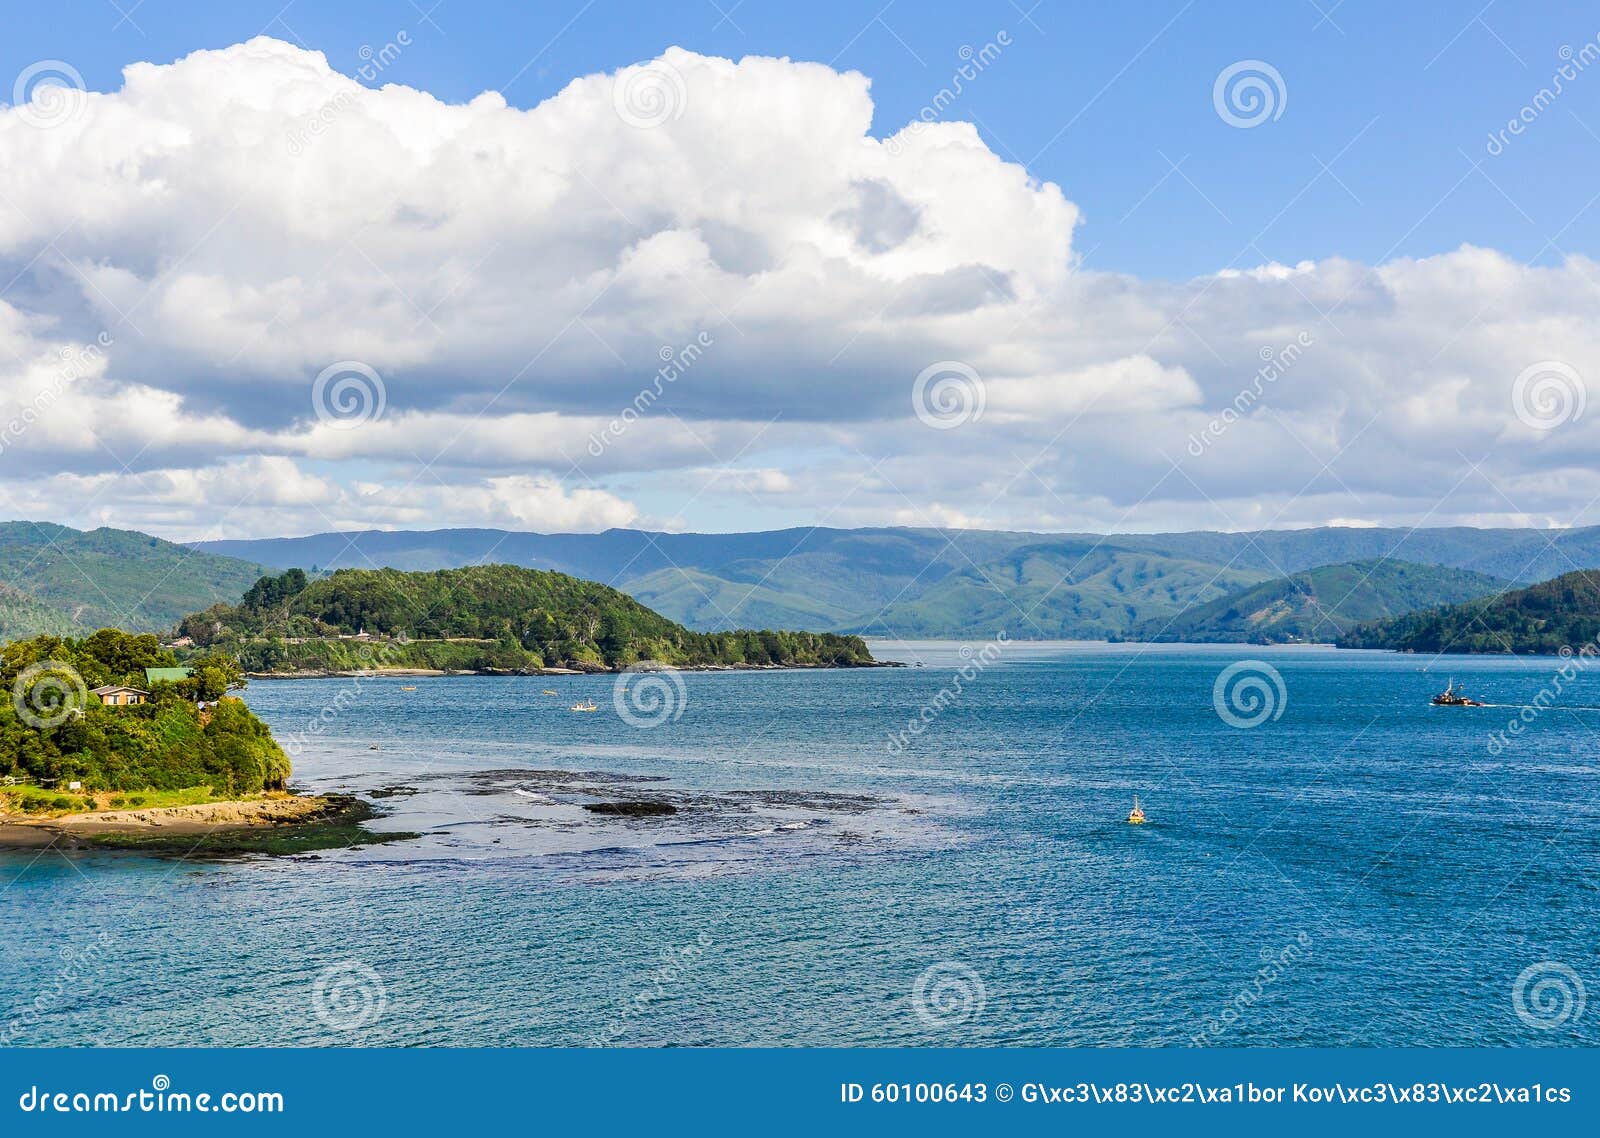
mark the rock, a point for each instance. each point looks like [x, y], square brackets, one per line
[631, 809]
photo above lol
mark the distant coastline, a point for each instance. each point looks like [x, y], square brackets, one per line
[439, 673]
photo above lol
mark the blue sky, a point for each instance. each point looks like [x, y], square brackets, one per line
[1145, 303]
[1398, 98]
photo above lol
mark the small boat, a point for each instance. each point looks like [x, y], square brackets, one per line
[408, 687]
[1452, 697]
[588, 705]
[548, 691]
[1136, 815]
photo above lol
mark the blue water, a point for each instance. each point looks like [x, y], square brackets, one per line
[1360, 870]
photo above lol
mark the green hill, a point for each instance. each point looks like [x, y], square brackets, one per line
[112, 578]
[1320, 604]
[1542, 619]
[21, 616]
[705, 600]
[826, 579]
[1070, 590]
[52, 729]
[480, 618]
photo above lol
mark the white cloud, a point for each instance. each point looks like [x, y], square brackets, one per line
[251, 496]
[1135, 384]
[224, 227]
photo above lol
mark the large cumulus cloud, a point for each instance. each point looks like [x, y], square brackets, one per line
[187, 254]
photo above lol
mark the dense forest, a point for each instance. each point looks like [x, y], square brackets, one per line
[21, 615]
[1542, 619]
[52, 729]
[481, 618]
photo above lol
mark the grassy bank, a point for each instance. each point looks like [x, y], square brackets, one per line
[45, 802]
[179, 823]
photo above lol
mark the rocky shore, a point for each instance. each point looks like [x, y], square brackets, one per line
[284, 823]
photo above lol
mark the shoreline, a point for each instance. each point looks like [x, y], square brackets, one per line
[287, 823]
[437, 673]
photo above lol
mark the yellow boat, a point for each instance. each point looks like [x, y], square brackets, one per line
[1136, 815]
[408, 687]
[590, 706]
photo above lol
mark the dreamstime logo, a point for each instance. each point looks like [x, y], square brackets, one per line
[48, 693]
[648, 694]
[1573, 63]
[348, 996]
[374, 658]
[1248, 93]
[649, 95]
[1248, 693]
[77, 361]
[948, 994]
[1548, 394]
[974, 61]
[1273, 366]
[674, 967]
[374, 62]
[1274, 965]
[1545, 698]
[1547, 995]
[674, 364]
[973, 665]
[348, 394]
[949, 394]
[79, 973]
[49, 93]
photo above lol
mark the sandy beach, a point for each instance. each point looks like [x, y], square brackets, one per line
[21, 831]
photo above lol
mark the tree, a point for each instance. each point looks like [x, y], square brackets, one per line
[212, 677]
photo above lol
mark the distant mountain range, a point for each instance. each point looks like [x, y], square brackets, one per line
[59, 580]
[881, 582]
[1074, 590]
[1543, 619]
[1320, 604]
[923, 582]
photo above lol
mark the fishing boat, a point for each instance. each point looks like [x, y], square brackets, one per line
[1136, 815]
[587, 705]
[1452, 697]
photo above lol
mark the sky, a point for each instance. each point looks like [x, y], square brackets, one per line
[273, 269]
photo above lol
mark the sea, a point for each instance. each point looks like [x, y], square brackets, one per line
[936, 854]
